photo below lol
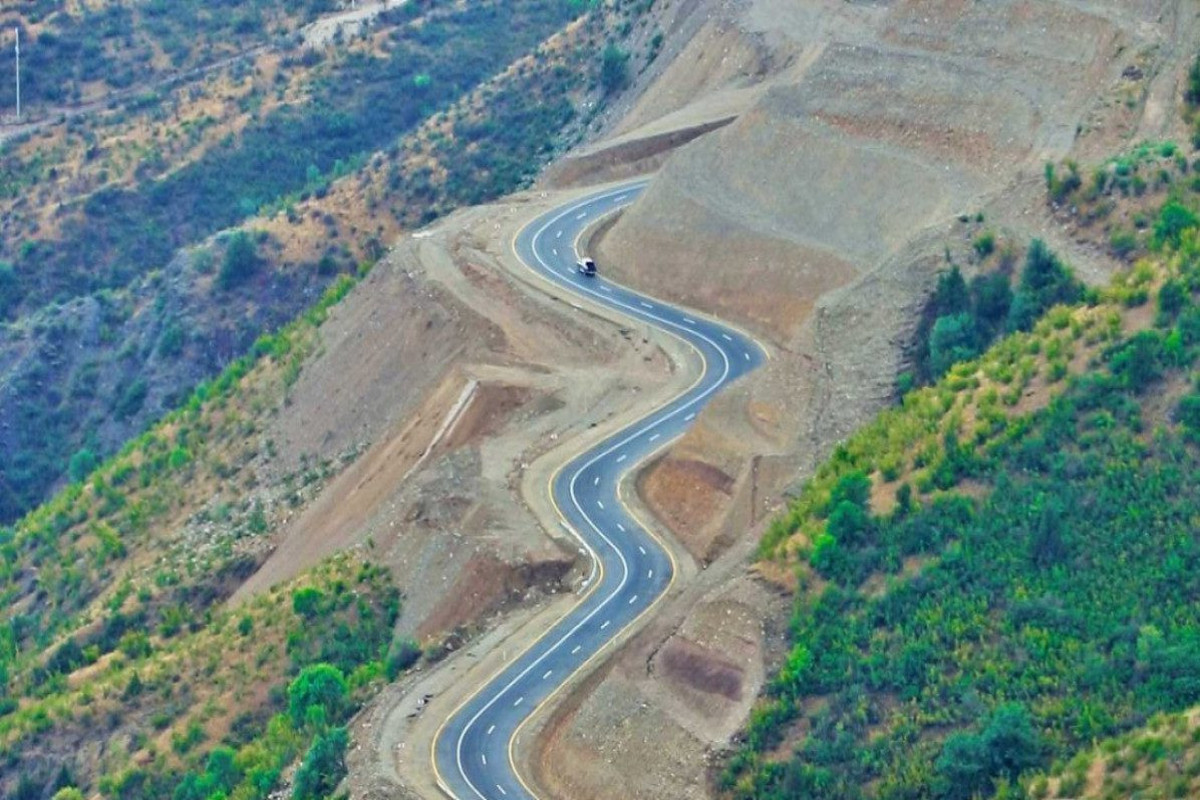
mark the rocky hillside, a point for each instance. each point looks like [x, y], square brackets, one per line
[859, 185]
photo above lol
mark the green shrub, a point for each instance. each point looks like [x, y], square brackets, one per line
[1045, 282]
[1173, 219]
[984, 244]
[82, 464]
[324, 766]
[1188, 413]
[1172, 298]
[10, 289]
[614, 69]
[241, 261]
[1123, 242]
[170, 344]
[954, 338]
[320, 686]
[308, 601]
[1191, 93]
[404, 654]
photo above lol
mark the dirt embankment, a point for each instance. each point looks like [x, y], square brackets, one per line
[451, 376]
[818, 220]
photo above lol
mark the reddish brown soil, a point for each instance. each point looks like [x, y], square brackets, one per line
[701, 669]
[687, 495]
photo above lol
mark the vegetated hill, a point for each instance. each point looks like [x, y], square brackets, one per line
[115, 324]
[123, 574]
[1003, 569]
[107, 586]
[80, 51]
[223, 703]
[1156, 762]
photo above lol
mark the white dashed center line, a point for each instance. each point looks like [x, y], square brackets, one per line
[518, 701]
[596, 482]
[558, 235]
[650, 574]
[690, 417]
[642, 549]
[622, 527]
[600, 504]
[605, 624]
[747, 355]
[500, 789]
[548, 673]
[727, 337]
[484, 759]
[656, 436]
[633, 600]
[576, 650]
[689, 320]
[621, 458]
[645, 304]
[606, 289]
[490, 729]
[581, 215]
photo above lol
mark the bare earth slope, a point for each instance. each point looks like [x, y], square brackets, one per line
[451, 377]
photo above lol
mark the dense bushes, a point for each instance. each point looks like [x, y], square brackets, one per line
[277, 719]
[1045, 282]
[324, 766]
[240, 262]
[964, 639]
[317, 696]
[614, 69]
[960, 321]
[971, 762]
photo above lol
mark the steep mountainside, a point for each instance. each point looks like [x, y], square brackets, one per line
[871, 146]
[119, 297]
[388, 422]
[1001, 570]
[956, 597]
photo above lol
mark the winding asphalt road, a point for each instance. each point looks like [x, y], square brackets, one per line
[472, 753]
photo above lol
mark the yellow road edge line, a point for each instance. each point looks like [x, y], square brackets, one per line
[688, 310]
[628, 629]
[623, 635]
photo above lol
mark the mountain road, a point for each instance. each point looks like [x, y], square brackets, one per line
[472, 752]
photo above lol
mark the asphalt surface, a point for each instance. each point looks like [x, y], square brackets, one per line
[471, 753]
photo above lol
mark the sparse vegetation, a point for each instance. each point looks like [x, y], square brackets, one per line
[115, 627]
[469, 139]
[614, 69]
